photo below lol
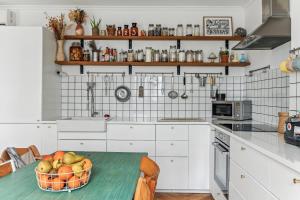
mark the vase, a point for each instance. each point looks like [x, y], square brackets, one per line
[79, 30]
[60, 55]
[95, 31]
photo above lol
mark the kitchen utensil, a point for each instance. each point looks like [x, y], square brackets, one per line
[141, 87]
[172, 94]
[106, 83]
[212, 81]
[184, 95]
[192, 85]
[163, 85]
[122, 93]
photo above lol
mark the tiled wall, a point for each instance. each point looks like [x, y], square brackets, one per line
[155, 105]
[294, 93]
[269, 93]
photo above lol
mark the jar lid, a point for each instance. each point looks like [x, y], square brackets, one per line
[76, 44]
[179, 25]
[189, 25]
[126, 26]
[197, 25]
[151, 24]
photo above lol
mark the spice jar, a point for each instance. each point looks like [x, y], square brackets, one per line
[196, 30]
[140, 55]
[181, 56]
[130, 56]
[164, 56]
[179, 30]
[156, 56]
[165, 31]
[76, 52]
[198, 56]
[119, 31]
[134, 31]
[126, 30]
[189, 56]
[173, 54]
[86, 55]
[111, 30]
[171, 31]
[151, 30]
[157, 30]
[95, 55]
[189, 30]
[148, 56]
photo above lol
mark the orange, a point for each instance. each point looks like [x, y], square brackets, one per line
[74, 182]
[65, 172]
[48, 158]
[87, 164]
[44, 181]
[57, 184]
[84, 178]
[58, 155]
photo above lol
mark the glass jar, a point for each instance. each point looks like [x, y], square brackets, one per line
[134, 31]
[179, 30]
[172, 54]
[119, 31]
[171, 31]
[198, 56]
[189, 30]
[125, 56]
[189, 56]
[130, 56]
[196, 30]
[165, 31]
[95, 56]
[157, 30]
[140, 55]
[156, 56]
[126, 30]
[151, 30]
[181, 56]
[76, 53]
[148, 56]
[86, 55]
[164, 56]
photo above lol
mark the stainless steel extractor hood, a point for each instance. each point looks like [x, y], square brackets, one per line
[275, 30]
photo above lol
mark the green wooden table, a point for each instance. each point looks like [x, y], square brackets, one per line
[114, 177]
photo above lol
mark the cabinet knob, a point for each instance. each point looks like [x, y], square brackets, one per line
[130, 143]
[171, 161]
[243, 176]
[172, 144]
[49, 126]
[81, 143]
[37, 126]
[243, 148]
[296, 181]
[172, 127]
[131, 127]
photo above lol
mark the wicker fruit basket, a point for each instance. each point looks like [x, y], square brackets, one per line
[58, 176]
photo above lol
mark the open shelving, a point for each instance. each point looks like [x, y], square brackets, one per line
[155, 38]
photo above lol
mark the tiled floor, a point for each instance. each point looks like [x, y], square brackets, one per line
[175, 196]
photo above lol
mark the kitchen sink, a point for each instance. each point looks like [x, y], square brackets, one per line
[181, 120]
[84, 118]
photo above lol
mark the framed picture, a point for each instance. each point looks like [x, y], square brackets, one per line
[217, 26]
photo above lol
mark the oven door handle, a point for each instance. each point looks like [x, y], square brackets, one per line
[220, 148]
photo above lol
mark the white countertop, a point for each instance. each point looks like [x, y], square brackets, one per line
[271, 144]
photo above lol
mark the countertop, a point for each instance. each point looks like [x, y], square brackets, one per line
[271, 144]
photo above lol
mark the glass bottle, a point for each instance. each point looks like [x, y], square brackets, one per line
[156, 56]
[164, 56]
[130, 56]
[165, 31]
[171, 31]
[151, 30]
[189, 56]
[189, 30]
[196, 30]
[119, 31]
[181, 56]
[179, 30]
[157, 30]
[172, 54]
[148, 56]
[86, 55]
[126, 30]
[134, 31]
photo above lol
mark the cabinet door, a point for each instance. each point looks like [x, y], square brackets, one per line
[172, 132]
[234, 194]
[20, 135]
[131, 146]
[173, 173]
[199, 157]
[21, 84]
[49, 138]
[130, 132]
[82, 145]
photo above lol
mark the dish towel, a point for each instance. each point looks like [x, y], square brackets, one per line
[20, 161]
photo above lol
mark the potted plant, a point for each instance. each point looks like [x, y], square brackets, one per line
[58, 26]
[224, 56]
[95, 24]
[78, 16]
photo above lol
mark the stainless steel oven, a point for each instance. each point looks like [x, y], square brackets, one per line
[221, 162]
[232, 110]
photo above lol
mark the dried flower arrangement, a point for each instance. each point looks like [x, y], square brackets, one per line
[57, 25]
[77, 15]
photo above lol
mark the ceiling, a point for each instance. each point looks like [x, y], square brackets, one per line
[129, 2]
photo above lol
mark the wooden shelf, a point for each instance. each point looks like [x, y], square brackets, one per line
[182, 64]
[199, 38]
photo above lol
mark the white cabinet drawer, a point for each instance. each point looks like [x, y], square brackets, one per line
[244, 156]
[82, 145]
[171, 148]
[82, 135]
[281, 182]
[130, 132]
[234, 194]
[81, 125]
[131, 146]
[246, 185]
[172, 132]
[173, 173]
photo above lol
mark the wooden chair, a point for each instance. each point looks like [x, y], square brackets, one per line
[146, 185]
[6, 168]
[22, 151]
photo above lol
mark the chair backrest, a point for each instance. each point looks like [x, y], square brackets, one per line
[22, 151]
[6, 168]
[151, 171]
[35, 152]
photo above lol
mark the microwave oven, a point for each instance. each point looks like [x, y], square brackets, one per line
[232, 110]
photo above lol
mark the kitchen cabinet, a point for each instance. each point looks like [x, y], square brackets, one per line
[82, 145]
[30, 86]
[131, 146]
[199, 137]
[49, 138]
[172, 132]
[130, 132]
[234, 194]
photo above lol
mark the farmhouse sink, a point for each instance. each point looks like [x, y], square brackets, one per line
[82, 124]
[181, 120]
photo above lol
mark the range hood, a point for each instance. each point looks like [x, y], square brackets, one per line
[275, 30]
